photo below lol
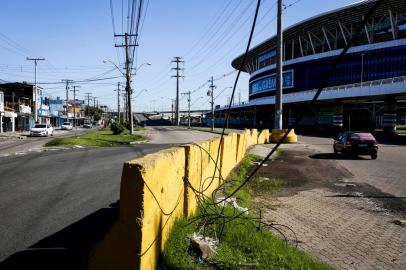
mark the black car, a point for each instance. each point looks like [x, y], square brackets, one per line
[356, 143]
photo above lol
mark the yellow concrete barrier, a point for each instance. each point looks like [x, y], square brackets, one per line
[199, 171]
[277, 135]
[160, 187]
[263, 137]
[151, 198]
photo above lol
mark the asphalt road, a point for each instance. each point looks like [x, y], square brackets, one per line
[11, 145]
[55, 200]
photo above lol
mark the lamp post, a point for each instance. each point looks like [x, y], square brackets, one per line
[143, 90]
[210, 93]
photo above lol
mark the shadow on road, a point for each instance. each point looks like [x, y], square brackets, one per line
[68, 248]
[336, 156]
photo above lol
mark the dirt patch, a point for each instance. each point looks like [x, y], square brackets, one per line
[301, 172]
[304, 169]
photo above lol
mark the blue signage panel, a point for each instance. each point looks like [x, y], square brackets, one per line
[268, 83]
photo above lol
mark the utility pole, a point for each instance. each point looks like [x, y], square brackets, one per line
[279, 78]
[125, 107]
[177, 60]
[172, 119]
[188, 101]
[67, 97]
[74, 104]
[35, 94]
[118, 100]
[88, 97]
[128, 76]
[211, 93]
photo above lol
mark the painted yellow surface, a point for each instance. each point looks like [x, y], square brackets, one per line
[151, 198]
[277, 135]
[158, 188]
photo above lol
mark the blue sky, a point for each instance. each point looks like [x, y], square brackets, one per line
[75, 36]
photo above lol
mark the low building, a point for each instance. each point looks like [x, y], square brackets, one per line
[57, 111]
[17, 115]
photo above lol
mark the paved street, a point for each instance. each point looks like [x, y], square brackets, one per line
[12, 143]
[343, 211]
[387, 173]
[43, 194]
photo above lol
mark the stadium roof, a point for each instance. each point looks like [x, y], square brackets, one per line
[351, 14]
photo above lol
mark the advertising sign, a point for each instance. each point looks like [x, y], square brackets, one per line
[268, 83]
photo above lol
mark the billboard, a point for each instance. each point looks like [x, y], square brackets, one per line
[268, 83]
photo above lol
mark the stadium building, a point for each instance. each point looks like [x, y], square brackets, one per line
[367, 89]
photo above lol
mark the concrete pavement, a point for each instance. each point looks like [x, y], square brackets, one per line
[387, 173]
[343, 211]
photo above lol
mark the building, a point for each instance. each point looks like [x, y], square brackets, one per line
[17, 115]
[57, 111]
[366, 90]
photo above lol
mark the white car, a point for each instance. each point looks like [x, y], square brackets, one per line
[42, 130]
[67, 126]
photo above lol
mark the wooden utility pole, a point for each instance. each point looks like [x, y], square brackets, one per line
[67, 97]
[35, 92]
[74, 104]
[177, 60]
[128, 76]
[118, 100]
[88, 97]
[188, 101]
[279, 78]
[211, 93]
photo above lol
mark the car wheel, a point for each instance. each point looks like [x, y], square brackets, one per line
[335, 150]
[52, 134]
[374, 156]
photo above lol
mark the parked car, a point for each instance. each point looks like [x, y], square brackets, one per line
[42, 130]
[87, 125]
[356, 143]
[67, 126]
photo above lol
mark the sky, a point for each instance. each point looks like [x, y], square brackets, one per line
[75, 36]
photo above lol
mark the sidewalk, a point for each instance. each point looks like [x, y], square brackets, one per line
[7, 135]
[347, 224]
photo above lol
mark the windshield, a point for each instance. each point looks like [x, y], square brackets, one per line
[66, 123]
[40, 126]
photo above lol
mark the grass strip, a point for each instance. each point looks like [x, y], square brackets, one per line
[244, 245]
[102, 137]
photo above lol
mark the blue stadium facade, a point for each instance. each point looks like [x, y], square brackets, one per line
[366, 90]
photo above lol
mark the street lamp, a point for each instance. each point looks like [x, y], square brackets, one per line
[146, 63]
[211, 94]
[114, 64]
[143, 90]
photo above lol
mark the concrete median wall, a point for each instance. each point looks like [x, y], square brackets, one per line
[160, 187]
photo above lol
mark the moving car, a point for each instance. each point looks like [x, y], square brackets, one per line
[42, 130]
[67, 126]
[356, 143]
